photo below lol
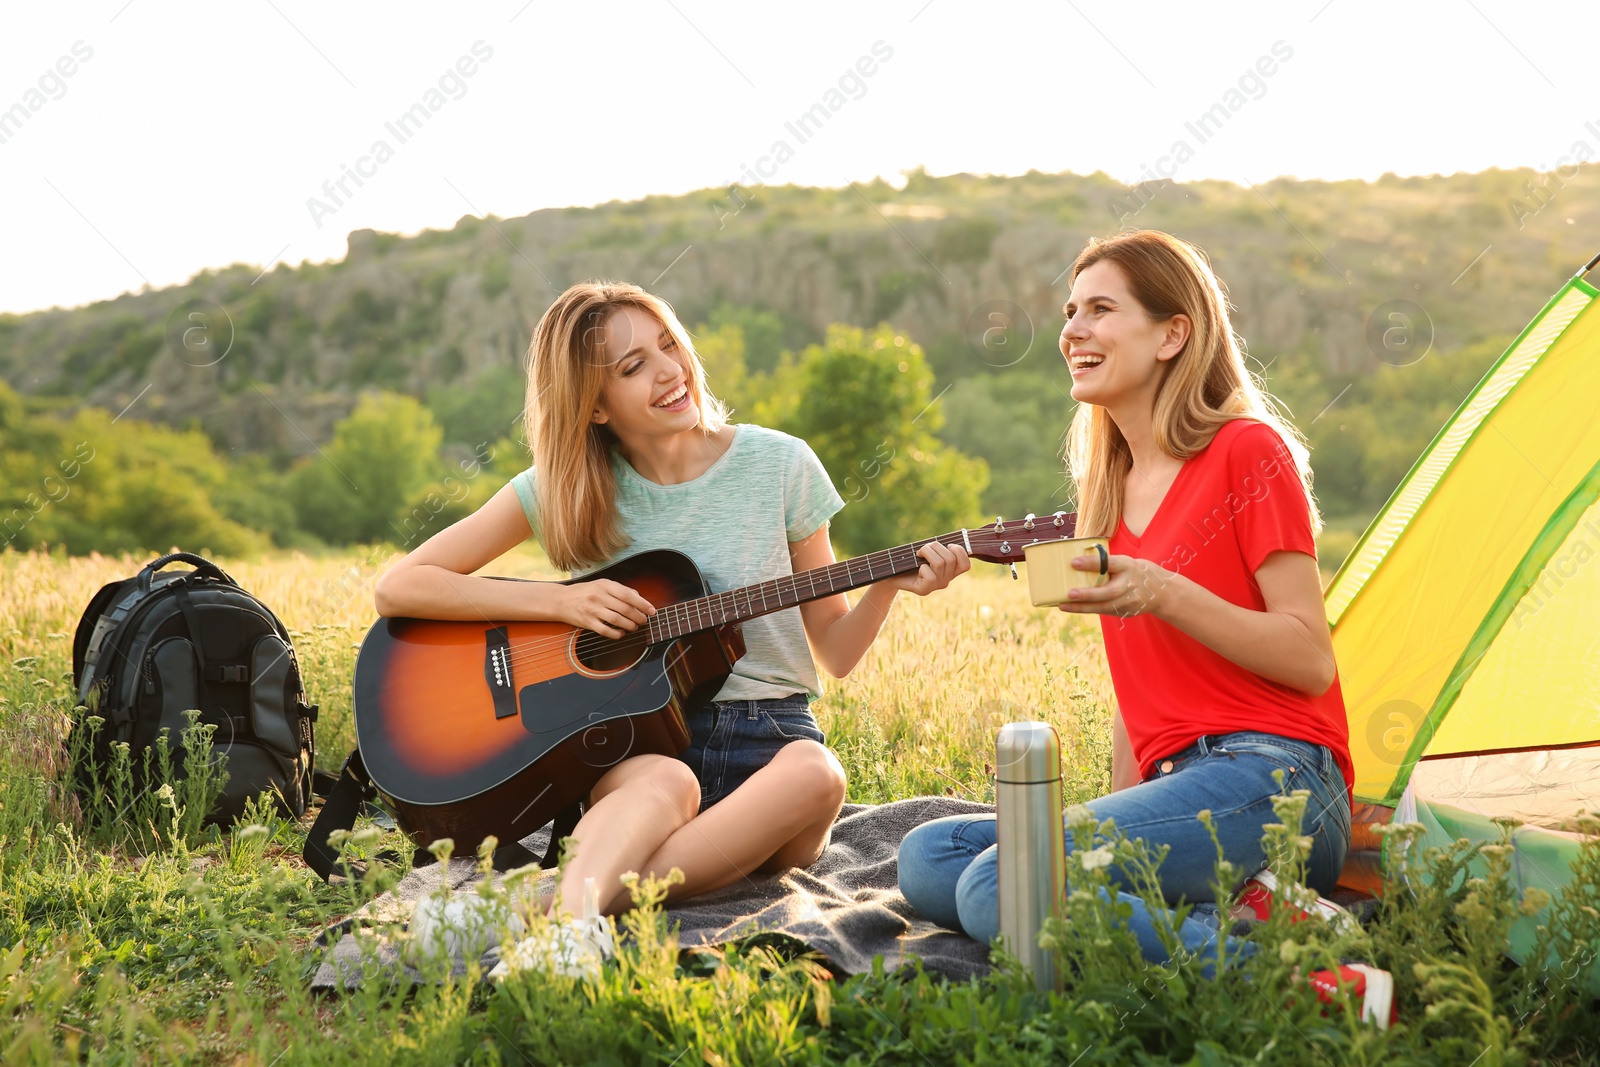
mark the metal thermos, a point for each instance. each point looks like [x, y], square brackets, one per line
[1027, 759]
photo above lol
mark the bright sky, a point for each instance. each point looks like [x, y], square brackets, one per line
[142, 141]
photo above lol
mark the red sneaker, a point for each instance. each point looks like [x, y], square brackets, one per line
[1373, 986]
[1256, 902]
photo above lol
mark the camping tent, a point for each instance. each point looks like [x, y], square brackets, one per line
[1466, 621]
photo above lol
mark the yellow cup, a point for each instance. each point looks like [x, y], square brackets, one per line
[1051, 575]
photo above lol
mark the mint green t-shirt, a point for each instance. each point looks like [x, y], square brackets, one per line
[735, 521]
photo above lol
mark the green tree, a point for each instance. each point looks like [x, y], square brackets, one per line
[382, 455]
[93, 483]
[1366, 437]
[256, 495]
[1017, 423]
[763, 333]
[482, 410]
[464, 482]
[721, 352]
[864, 401]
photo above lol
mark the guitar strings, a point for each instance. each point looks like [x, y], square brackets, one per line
[588, 642]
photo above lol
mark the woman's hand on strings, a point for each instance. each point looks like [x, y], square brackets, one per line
[941, 565]
[609, 608]
[1133, 587]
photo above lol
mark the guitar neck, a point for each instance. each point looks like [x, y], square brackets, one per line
[753, 601]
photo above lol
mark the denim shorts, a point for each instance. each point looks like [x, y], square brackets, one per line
[731, 740]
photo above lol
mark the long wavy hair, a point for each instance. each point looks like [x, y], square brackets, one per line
[1204, 386]
[567, 368]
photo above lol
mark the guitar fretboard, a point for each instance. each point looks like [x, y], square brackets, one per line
[753, 601]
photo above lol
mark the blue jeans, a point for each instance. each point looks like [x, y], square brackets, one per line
[731, 740]
[949, 868]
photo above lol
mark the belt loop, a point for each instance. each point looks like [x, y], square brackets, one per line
[751, 713]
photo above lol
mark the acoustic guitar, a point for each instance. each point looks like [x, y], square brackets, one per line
[475, 728]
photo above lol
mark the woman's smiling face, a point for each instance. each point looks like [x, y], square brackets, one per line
[1111, 344]
[647, 391]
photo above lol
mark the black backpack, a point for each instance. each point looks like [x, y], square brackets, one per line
[153, 646]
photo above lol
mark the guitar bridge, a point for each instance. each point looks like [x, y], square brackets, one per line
[497, 671]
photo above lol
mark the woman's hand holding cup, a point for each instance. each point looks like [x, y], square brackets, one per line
[1131, 587]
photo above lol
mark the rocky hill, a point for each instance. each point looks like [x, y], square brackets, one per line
[269, 363]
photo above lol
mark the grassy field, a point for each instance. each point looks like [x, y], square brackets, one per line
[198, 947]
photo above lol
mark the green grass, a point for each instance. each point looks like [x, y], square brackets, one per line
[147, 939]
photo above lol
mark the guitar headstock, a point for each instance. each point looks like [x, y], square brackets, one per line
[1003, 540]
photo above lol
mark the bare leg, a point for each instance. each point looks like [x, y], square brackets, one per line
[637, 805]
[779, 818]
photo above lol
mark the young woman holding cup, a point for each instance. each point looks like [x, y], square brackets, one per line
[1211, 607]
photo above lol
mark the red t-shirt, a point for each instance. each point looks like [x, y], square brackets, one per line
[1236, 501]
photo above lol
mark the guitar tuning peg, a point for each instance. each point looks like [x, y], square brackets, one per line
[1061, 518]
[1013, 572]
[1027, 521]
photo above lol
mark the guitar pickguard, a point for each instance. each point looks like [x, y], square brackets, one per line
[559, 707]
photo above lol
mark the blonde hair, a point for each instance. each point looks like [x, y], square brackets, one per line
[1203, 387]
[575, 488]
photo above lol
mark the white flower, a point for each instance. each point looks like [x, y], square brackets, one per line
[1095, 858]
[1077, 814]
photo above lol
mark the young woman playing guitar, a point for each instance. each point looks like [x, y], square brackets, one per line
[632, 453]
[1212, 617]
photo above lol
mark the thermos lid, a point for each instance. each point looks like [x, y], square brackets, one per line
[1027, 753]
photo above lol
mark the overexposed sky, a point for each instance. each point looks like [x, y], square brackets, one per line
[191, 135]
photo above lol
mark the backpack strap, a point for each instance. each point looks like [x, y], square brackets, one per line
[191, 619]
[350, 791]
[353, 789]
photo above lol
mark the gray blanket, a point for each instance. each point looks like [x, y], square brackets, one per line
[847, 905]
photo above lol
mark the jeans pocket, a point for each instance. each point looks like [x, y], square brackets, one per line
[792, 724]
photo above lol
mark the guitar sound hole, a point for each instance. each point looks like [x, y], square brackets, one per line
[604, 655]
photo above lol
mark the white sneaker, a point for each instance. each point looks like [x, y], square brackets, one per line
[1255, 902]
[574, 948]
[1370, 988]
[448, 926]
